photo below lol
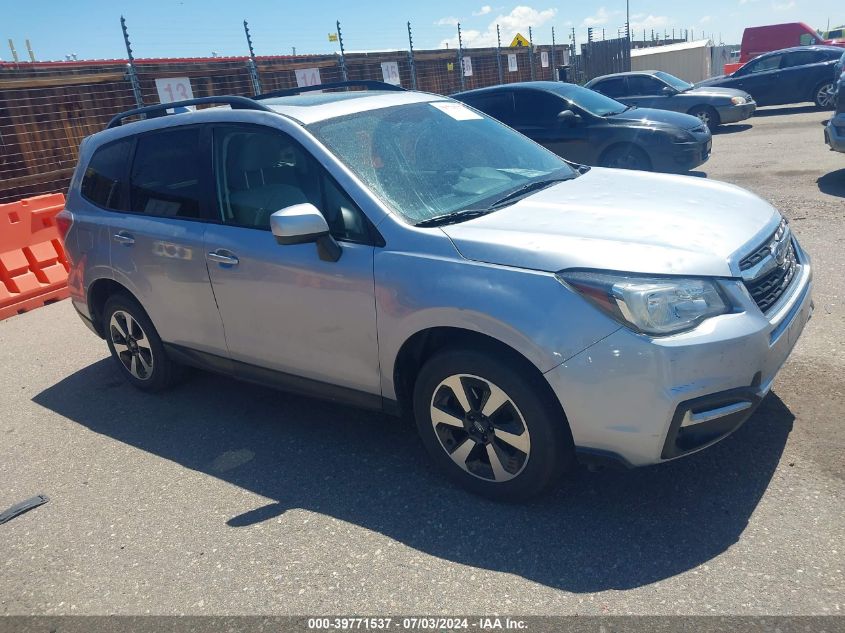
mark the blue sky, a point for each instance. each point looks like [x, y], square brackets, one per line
[173, 28]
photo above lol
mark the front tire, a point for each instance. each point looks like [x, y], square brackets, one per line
[626, 157]
[823, 96]
[136, 346]
[707, 115]
[489, 426]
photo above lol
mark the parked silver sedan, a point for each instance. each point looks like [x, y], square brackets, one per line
[660, 90]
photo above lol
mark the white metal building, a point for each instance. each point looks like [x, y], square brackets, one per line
[688, 60]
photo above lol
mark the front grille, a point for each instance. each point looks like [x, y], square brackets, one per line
[770, 269]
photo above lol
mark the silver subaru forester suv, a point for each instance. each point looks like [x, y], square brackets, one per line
[404, 252]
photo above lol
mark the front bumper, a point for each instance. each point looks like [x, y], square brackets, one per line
[735, 114]
[644, 400]
[681, 157]
[834, 133]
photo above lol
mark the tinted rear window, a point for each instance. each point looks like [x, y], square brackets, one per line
[166, 173]
[104, 179]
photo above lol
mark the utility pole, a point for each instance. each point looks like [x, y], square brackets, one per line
[29, 50]
[251, 67]
[343, 70]
[411, 63]
[628, 18]
[499, 54]
[531, 51]
[552, 58]
[460, 56]
[130, 67]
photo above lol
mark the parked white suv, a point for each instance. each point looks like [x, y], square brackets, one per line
[402, 251]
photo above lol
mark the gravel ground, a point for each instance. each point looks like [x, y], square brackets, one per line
[224, 498]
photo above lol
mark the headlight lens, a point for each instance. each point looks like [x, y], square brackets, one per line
[738, 100]
[657, 306]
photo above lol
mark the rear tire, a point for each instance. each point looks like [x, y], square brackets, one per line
[136, 346]
[489, 426]
[823, 95]
[626, 157]
[707, 115]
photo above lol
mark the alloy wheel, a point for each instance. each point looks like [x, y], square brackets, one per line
[824, 97]
[131, 345]
[704, 117]
[480, 428]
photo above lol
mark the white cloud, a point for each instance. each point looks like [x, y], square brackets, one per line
[705, 19]
[483, 10]
[447, 21]
[601, 17]
[517, 21]
[783, 6]
[648, 22]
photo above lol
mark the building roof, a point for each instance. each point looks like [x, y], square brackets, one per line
[670, 48]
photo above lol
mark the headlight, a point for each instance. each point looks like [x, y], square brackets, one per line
[738, 100]
[652, 305]
[681, 136]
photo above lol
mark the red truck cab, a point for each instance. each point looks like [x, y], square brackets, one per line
[757, 40]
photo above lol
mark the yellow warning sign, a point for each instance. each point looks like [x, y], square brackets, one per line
[333, 37]
[519, 41]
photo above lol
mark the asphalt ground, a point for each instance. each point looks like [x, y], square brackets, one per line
[227, 498]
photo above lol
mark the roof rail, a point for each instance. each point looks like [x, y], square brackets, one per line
[359, 83]
[236, 103]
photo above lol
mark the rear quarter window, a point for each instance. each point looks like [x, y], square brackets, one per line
[104, 182]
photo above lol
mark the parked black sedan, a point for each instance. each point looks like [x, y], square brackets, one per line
[657, 89]
[586, 127]
[791, 75]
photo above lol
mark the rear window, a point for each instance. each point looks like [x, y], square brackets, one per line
[166, 171]
[104, 180]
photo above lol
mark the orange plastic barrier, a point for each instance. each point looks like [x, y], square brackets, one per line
[732, 68]
[33, 264]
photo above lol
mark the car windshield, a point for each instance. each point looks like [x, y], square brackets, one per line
[677, 84]
[593, 102]
[429, 160]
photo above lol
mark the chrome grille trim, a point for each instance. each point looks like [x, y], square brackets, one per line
[770, 269]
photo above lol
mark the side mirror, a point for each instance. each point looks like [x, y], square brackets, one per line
[301, 224]
[567, 118]
[669, 91]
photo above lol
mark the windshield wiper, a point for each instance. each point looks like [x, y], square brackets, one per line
[526, 189]
[453, 218]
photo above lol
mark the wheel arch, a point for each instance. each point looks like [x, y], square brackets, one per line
[98, 293]
[424, 344]
[622, 144]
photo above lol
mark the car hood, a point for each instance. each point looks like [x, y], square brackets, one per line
[714, 91]
[624, 221]
[650, 117]
[713, 81]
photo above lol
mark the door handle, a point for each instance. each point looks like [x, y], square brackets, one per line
[124, 238]
[223, 257]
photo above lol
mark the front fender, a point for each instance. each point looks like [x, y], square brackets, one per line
[530, 311]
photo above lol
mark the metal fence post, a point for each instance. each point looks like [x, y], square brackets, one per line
[552, 58]
[531, 51]
[411, 62]
[460, 56]
[253, 69]
[130, 67]
[499, 54]
[343, 70]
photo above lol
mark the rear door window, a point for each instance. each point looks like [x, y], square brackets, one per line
[167, 175]
[801, 58]
[498, 105]
[104, 182]
[534, 108]
[614, 87]
[642, 85]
